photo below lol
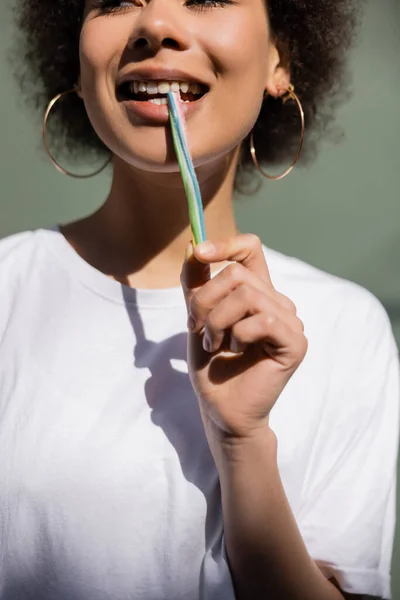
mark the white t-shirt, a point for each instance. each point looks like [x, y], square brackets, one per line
[108, 490]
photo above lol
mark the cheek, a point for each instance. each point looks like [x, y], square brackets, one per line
[242, 45]
[99, 49]
[101, 44]
[241, 51]
[91, 51]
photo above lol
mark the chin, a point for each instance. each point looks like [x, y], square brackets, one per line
[156, 156]
[150, 148]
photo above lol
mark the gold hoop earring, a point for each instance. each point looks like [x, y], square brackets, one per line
[289, 94]
[46, 145]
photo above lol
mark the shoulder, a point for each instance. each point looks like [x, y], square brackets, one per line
[312, 285]
[15, 251]
[16, 240]
[20, 255]
[17, 246]
[343, 309]
[24, 258]
[20, 248]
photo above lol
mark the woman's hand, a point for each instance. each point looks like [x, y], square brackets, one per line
[246, 340]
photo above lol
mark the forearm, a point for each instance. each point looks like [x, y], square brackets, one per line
[267, 555]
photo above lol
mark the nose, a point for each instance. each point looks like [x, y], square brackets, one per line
[160, 24]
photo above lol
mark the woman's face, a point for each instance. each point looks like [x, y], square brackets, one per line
[224, 44]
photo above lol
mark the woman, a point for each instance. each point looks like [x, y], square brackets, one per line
[212, 426]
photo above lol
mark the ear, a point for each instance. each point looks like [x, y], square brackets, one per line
[278, 76]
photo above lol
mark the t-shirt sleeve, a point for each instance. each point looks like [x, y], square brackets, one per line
[347, 517]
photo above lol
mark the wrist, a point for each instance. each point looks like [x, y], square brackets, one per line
[233, 452]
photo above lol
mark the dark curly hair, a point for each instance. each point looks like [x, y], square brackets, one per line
[313, 37]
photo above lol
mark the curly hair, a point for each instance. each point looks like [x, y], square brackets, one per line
[313, 38]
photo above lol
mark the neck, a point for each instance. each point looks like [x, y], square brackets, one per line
[140, 234]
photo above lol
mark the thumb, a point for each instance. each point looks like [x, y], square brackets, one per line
[194, 274]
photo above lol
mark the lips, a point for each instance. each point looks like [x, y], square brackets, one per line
[143, 84]
[161, 74]
[158, 114]
[133, 87]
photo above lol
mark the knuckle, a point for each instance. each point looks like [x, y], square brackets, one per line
[268, 320]
[302, 348]
[235, 272]
[299, 347]
[253, 241]
[263, 302]
[245, 292]
[287, 303]
[296, 324]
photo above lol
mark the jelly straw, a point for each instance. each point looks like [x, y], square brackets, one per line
[186, 167]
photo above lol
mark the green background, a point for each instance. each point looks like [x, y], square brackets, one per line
[341, 214]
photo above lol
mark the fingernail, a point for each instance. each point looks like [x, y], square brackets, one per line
[205, 248]
[236, 347]
[206, 342]
[189, 251]
[191, 323]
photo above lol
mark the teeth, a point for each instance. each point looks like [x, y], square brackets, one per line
[158, 100]
[194, 88]
[152, 87]
[163, 87]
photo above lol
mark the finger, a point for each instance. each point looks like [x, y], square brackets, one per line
[218, 288]
[244, 248]
[243, 302]
[194, 274]
[279, 341]
[286, 302]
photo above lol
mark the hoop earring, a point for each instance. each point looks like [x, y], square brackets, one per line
[46, 145]
[289, 94]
